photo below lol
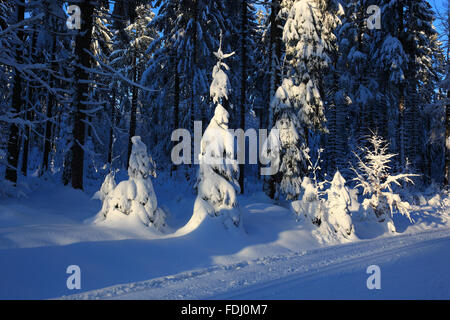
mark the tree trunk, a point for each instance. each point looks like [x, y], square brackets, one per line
[244, 24]
[447, 111]
[193, 93]
[29, 115]
[134, 100]
[13, 141]
[82, 46]
[447, 140]
[111, 129]
[274, 57]
[176, 101]
[401, 104]
[51, 101]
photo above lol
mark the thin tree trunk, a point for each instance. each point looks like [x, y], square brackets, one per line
[274, 56]
[13, 141]
[134, 101]
[447, 111]
[193, 107]
[111, 129]
[51, 101]
[82, 46]
[28, 114]
[447, 138]
[244, 23]
[401, 105]
[176, 102]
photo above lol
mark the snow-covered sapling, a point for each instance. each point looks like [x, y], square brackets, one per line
[311, 203]
[374, 178]
[338, 202]
[217, 177]
[135, 197]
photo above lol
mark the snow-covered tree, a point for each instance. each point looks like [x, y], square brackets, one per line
[217, 183]
[374, 177]
[134, 199]
[338, 202]
[310, 205]
[310, 43]
[288, 145]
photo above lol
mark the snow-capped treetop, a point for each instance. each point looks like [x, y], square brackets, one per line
[220, 85]
[337, 190]
[338, 181]
[141, 165]
[108, 185]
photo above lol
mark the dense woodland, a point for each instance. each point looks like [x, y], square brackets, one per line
[71, 100]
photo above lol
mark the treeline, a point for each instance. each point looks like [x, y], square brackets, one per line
[70, 100]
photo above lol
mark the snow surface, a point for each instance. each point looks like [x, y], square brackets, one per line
[41, 235]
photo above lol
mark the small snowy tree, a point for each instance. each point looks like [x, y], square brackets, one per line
[217, 178]
[338, 202]
[375, 179]
[135, 197]
[311, 203]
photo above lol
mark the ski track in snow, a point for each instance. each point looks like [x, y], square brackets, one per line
[248, 278]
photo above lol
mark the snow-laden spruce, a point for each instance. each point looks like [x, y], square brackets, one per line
[338, 203]
[374, 178]
[328, 210]
[308, 35]
[285, 148]
[132, 201]
[310, 205]
[217, 183]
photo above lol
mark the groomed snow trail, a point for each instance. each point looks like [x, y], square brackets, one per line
[412, 266]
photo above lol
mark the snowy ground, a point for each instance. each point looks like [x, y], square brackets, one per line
[276, 258]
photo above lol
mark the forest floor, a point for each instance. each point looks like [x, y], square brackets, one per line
[275, 257]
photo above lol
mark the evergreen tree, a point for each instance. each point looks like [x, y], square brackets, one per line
[374, 177]
[310, 41]
[133, 199]
[286, 146]
[338, 200]
[217, 183]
